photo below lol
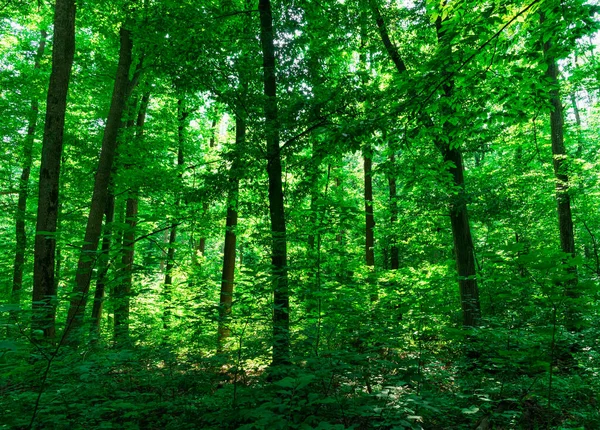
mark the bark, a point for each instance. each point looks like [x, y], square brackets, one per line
[394, 256]
[459, 217]
[213, 135]
[202, 243]
[391, 49]
[103, 265]
[47, 214]
[167, 293]
[228, 275]
[464, 251]
[314, 194]
[122, 290]
[463, 242]
[339, 236]
[316, 82]
[94, 224]
[563, 199]
[369, 220]
[21, 237]
[578, 123]
[165, 239]
[201, 247]
[181, 117]
[281, 321]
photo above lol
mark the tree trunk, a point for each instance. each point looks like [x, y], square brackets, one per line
[563, 199]
[122, 290]
[228, 277]
[281, 317]
[463, 242]
[394, 256]
[100, 194]
[201, 248]
[369, 219]
[314, 195]
[464, 251]
[213, 134]
[164, 254]
[103, 265]
[47, 214]
[21, 237]
[181, 117]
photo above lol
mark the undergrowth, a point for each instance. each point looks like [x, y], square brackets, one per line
[436, 384]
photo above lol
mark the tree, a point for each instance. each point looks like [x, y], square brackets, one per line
[281, 317]
[103, 264]
[229, 252]
[94, 225]
[182, 114]
[21, 235]
[451, 153]
[560, 164]
[44, 287]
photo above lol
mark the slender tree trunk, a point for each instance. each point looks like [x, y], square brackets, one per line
[563, 199]
[314, 194]
[281, 317]
[578, 123]
[228, 276]
[181, 118]
[21, 237]
[103, 265]
[100, 194]
[122, 290]
[339, 237]
[464, 251]
[167, 293]
[202, 243]
[369, 219]
[213, 136]
[394, 256]
[47, 215]
[463, 242]
[201, 247]
[164, 254]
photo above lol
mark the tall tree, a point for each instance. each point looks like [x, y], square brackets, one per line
[63, 51]
[103, 264]
[101, 184]
[228, 274]
[452, 155]
[394, 254]
[21, 237]
[123, 289]
[560, 164]
[464, 250]
[182, 115]
[369, 216]
[281, 299]
[367, 154]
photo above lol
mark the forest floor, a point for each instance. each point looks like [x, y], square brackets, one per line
[439, 385]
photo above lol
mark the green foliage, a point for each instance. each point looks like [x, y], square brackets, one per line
[402, 361]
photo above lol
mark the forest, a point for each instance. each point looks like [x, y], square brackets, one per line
[306, 214]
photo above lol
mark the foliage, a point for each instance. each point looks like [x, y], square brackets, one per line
[401, 360]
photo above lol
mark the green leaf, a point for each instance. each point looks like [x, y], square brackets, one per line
[470, 410]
